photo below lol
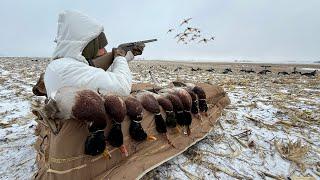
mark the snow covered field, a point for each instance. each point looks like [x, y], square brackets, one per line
[270, 130]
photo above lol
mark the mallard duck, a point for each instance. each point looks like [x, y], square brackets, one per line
[85, 106]
[177, 107]
[185, 21]
[170, 30]
[134, 111]
[203, 107]
[194, 105]
[166, 104]
[116, 108]
[201, 94]
[186, 101]
[168, 107]
[205, 40]
[150, 104]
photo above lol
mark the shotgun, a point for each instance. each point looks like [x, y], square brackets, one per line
[105, 61]
[128, 46]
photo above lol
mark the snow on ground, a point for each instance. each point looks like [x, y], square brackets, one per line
[257, 136]
[16, 123]
[309, 69]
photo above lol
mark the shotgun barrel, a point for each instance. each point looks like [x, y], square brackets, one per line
[129, 46]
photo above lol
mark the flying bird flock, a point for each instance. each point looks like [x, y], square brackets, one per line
[187, 34]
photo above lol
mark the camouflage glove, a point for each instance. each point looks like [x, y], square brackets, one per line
[118, 52]
[137, 49]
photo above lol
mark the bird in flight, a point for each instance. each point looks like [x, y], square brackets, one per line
[178, 35]
[170, 30]
[189, 29]
[185, 21]
[204, 40]
[196, 35]
[185, 34]
[212, 38]
[181, 39]
[193, 38]
[196, 31]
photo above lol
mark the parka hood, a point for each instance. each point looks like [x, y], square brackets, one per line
[75, 31]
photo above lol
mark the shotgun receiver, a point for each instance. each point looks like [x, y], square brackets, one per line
[128, 46]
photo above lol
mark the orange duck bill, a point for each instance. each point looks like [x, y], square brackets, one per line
[151, 138]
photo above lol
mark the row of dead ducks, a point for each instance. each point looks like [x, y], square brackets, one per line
[262, 72]
[179, 103]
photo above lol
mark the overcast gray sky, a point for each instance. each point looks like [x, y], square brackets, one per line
[264, 30]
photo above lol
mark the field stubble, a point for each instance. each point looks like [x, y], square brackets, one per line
[270, 130]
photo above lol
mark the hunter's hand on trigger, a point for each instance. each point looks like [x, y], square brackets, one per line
[138, 49]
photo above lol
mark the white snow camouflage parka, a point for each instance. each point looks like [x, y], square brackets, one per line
[69, 68]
